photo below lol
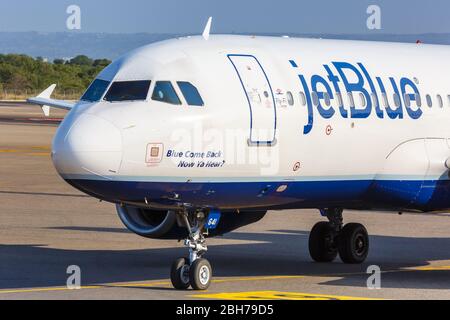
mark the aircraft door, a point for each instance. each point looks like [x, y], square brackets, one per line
[435, 191]
[256, 85]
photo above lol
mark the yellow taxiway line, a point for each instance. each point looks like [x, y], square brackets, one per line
[55, 289]
[264, 295]
[29, 151]
[150, 284]
[274, 295]
[432, 268]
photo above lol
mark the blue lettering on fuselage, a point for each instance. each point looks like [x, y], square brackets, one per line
[356, 80]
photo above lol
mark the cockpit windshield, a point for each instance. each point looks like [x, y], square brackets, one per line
[190, 93]
[128, 91]
[165, 92]
[95, 91]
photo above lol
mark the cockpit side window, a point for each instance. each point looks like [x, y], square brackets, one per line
[95, 91]
[165, 92]
[128, 91]
[190, 93]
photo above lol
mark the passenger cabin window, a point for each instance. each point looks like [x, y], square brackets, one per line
[290, 98]
[350, 99]
[440, 102]
[418, 100]
[397, 102]
[362, 97]
[164, 92]
[315, 98]
[128, 91]
[95, 91]
[339, 99]
[374, 99]
[327, 99]
[192, 95]
[429, 101]
[385, 100]
[407, 100]
[303, 98]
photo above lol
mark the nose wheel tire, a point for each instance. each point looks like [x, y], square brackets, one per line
[195, 271]
[200, 274]
[179, 274]
[322, 246]
[353, 244]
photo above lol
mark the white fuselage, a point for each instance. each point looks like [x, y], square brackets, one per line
[273, 130]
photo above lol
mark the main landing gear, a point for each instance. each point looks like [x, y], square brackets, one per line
[193, 271]
[328, 239]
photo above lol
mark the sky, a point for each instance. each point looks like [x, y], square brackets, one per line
[230, 16]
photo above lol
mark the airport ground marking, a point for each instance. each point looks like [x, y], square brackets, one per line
[29, 151]
[261, 295]
[257, 278]
[50, 289]
[139, 284]
[274, 295]
[432, 268]
[55, 289]
[38, 154]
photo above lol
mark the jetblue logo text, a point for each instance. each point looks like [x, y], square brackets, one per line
[343, 78]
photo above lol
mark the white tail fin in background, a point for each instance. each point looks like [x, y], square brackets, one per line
[207, 30]
[44, 100]
[46, 95]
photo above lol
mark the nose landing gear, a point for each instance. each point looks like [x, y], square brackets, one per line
[193, 271]
[328, 239]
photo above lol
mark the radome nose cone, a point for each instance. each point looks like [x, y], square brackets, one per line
[91, 146]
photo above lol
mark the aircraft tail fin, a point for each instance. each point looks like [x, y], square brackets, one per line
[44, 100]
[207, 30]
[46, 94]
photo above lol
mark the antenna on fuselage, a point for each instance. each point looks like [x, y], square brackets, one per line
[207, 30]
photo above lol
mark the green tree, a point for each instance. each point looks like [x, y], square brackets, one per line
[81, 60]
[20, 73]
[101, 62]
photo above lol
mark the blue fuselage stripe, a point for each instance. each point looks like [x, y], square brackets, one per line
[429, 195]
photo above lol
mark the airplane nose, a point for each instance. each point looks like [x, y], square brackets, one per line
[90, 146]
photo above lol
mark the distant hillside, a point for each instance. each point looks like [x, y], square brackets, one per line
[68, 45]
[104, 45]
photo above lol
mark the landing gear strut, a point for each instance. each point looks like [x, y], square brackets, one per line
[328, 239]
[193, 271]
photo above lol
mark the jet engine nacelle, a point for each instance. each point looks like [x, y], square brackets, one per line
[164, 225]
